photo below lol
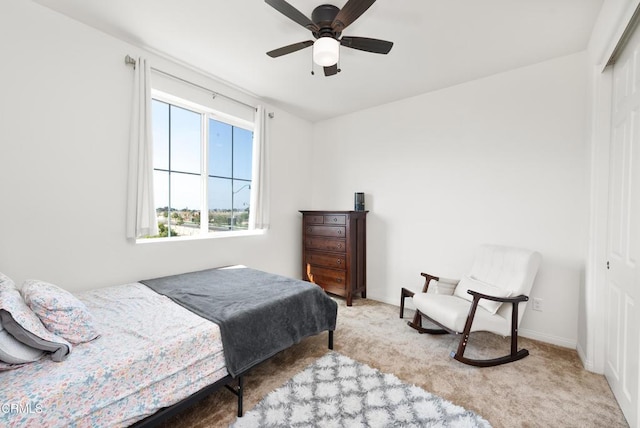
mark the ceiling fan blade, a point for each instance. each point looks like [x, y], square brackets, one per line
[349, 13]
[292, 13]
[367, 44]
[331, 70]
[289, 49]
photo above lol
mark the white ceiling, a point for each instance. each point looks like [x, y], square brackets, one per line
[437, 43]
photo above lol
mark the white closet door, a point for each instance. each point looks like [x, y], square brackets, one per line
[623, 243]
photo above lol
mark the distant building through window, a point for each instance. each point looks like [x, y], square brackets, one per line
[202, 170]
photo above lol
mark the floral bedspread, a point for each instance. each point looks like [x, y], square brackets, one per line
[151, 353]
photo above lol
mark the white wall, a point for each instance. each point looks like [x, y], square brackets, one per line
[64, 122]
[498, 160]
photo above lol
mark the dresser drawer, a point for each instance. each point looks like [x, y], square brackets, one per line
[327, 278]
[336, 231]
[335, 219]
[327, 244]
[314, 219]
[338, 219]
[336, 261]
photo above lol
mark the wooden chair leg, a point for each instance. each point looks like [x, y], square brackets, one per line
[464, 339]
[404, 293]
[514, 330]
[417, 321]
[417, 324]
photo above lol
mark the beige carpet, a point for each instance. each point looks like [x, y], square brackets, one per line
[549, 388]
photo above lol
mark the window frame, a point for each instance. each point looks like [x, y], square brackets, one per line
[207, 114]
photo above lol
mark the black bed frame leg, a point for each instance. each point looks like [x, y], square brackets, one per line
[238, 391]
[240, 395]
[330, 339]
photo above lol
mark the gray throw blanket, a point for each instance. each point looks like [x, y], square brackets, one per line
[259, 313]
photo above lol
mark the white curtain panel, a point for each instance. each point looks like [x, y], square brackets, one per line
[141, 213]
[259, 205]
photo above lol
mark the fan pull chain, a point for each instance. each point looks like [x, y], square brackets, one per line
[312, 72]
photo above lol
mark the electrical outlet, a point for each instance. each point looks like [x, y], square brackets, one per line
[537, 304]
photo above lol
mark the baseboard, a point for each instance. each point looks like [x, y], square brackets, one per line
[587, 363]
[391, 300]
[548, 338]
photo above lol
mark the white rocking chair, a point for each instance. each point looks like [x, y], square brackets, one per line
[492, 297]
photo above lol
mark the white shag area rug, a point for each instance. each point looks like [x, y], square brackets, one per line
[337, 391]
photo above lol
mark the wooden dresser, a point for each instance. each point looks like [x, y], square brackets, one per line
[334, 250]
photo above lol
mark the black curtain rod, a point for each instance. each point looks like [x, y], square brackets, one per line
[131, 61]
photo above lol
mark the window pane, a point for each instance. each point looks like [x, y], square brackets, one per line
[241, 198]
[160, 124]
[185, 140]
[219, 199]
[242, 152]
[161, 199]
[220, 139]
[185, 204]
[185, 191]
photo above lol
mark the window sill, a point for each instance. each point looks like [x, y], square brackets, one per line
[219, 235]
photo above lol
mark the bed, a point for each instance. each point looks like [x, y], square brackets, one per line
[154, 356]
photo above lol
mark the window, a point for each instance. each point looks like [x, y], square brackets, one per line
[202, 165]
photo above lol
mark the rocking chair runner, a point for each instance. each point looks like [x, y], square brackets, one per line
[492, 297]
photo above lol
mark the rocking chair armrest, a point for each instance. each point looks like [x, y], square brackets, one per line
[427, 280]
[516, 299]
[428, 275]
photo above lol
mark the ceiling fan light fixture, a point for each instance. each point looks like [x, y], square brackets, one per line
[326, 51]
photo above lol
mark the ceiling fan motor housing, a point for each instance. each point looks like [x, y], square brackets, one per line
[323, 17]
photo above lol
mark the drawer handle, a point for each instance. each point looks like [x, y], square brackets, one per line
[338, 280]
[339, 232]
[310, 229]
[335, 219]
[339, 246]
[339, 261]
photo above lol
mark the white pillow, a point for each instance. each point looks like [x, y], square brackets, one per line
[24, 325]
[61, 312]
[441, 287]
[468, 283]
[12, 351]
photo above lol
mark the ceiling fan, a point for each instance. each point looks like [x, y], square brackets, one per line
[326, 24]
